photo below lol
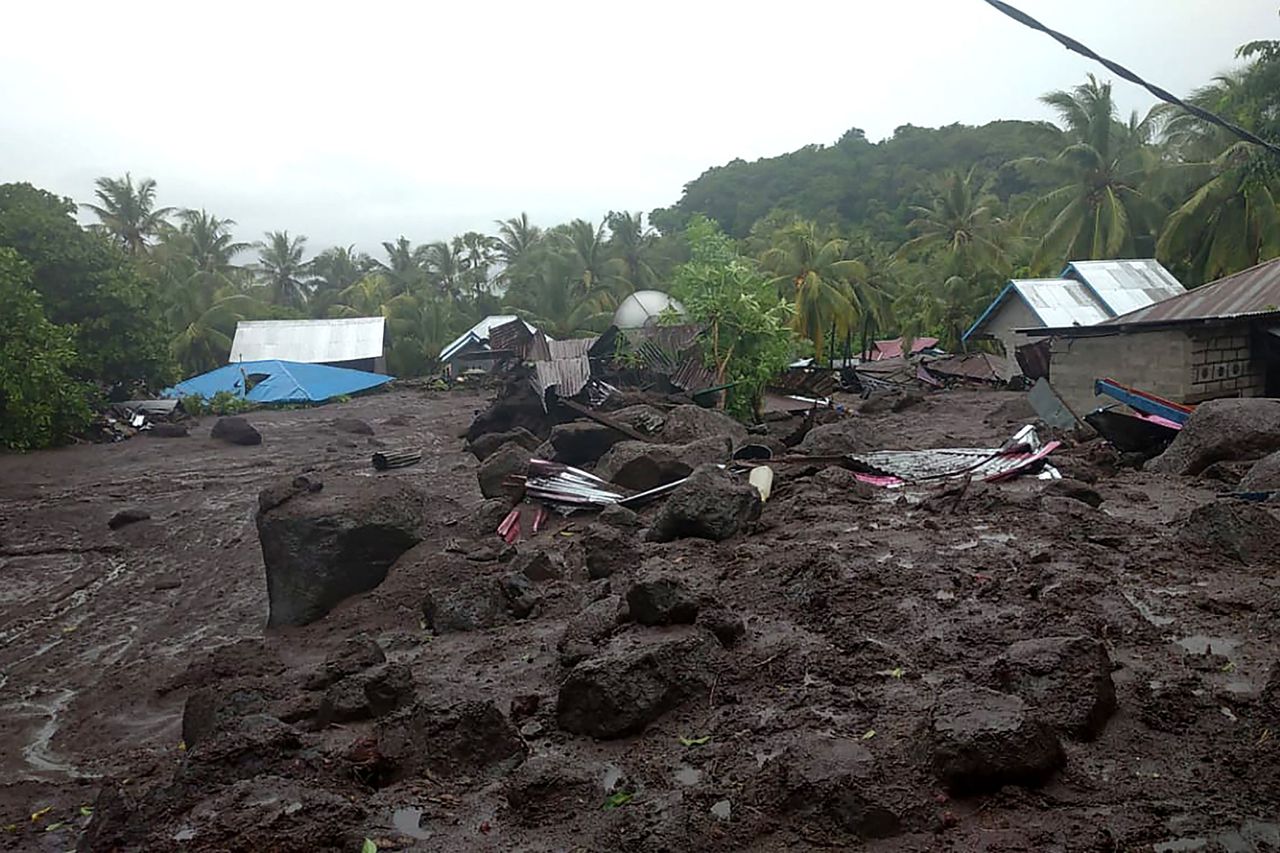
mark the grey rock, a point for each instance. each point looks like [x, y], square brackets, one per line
[607, 550]
[1066, 680]
[1246, 532]
[484, 446]
[1075, 490]
[1218, 430]
[847, 435]
[711, 504]
[582, 442]
[235, 431]
[588, 629]
[639, 465]
[728, 626]
[1264, 476]
[466, 739]
[168, 431]
[354, 426]
[508, 461]
[127, 516]
[356, 654]
[661, 598]
[982, 740]
[690, 423]
[375, 692]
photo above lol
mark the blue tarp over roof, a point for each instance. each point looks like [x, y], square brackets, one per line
[279, 382]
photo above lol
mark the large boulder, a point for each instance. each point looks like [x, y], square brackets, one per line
[711, 504]
[1246, 532]
[235, 431]
[516, 406]
[485, 445]
[508, 461]
[636, 680]
[321, 546]
[982, 740]
[1222, 430]
[641, 466]
[582, 442]
[1067, 680]
[689, 423]
[1264, 476]
[844, 436]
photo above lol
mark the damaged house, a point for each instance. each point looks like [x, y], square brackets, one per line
[1218, 340]
[1087, 293]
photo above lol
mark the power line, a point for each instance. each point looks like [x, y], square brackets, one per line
[1071, 44]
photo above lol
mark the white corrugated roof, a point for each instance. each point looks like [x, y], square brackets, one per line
[1125, 286]
[479, 332]
[1061, 302]
[308, 341]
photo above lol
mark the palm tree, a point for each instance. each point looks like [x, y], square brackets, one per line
[516, 236]
[281, 266]
[586, 244]
[960, 223]
[630, 243]
[127, 211]
[445, 266]
[365, 298]
[551, 294]
[406, 265]
[419, 326]
[477, 257]
[813, 271]
[204, 340]
[212, 246]
[1099, 211]
[333, 271]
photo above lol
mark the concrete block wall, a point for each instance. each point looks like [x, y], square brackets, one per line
[1222, 365]
[1156, 361]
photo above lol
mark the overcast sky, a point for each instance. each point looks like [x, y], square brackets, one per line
[355, 122]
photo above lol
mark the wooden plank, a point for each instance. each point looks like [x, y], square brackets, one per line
[599, 418]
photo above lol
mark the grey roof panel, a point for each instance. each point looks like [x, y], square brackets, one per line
[1061, 302]
[1128, 285]
[308, 341]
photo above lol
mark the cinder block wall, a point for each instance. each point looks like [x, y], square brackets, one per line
[1222, 365]
[1156, 361]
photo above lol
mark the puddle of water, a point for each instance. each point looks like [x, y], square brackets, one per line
[965, 546]
[998, 538]
[409, 822]
[691, 775]
[1255, 835]
[184, 834]
[612, 775]
[1200, 644]
[1181, 845]
[722, 810]
[763, 758]
[1145, 611]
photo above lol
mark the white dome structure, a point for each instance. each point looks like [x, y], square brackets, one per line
[643, 307]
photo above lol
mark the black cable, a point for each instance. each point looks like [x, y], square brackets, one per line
[1073, 45]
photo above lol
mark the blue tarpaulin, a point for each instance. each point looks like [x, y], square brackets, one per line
[279, 382]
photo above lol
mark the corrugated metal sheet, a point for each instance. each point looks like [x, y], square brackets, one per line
[510, 337]
[479, 332]
[893, 348]
[567, 375]
[572, 348]
[1061, 302]
[1125, 286]
[1253, 291]
[692, 375]
[810, 383]
[979, 366]
[308, 341]
[898, 467]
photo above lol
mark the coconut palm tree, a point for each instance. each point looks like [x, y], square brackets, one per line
[551, 293]
[212, 246]
[1099, 210]
[419, 326]
[282, 268]
[811, 270]
[586, 244]
[365, 298]
[405, 266]
[477, 257]
[630, 243]
[446, 266]
[333, 271]
[516, 237]
[961, 225]
[127, 213]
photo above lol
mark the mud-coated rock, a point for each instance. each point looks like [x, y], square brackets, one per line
[125, 517]
[521, 598]
[485, 445]
[356, 654]
[472, 605]
[537, 565]
[619, 516]
[588, 629]
[322, 547]
[835, 778]
[661, 598]
[639, 465]
[235, 431]
[510, 460]
[982, 740]
[689, 423]
[548, 786]
[219, 706]
[1230, 429]
[354, 426]
[608, 550]
[375, 692]
[1239, 530]
[471, 738]
[847, 435]
[1264, 476]
[1075, 490]
[711, 504]
[728, 626]
[168, 431]
[582, 442]
[1066, 681]
[637, 679]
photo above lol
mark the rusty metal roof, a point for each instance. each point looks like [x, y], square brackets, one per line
[567, 375]
[1254, 292]
[573, 348]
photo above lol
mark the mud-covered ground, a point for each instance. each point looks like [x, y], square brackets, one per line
[816, 729]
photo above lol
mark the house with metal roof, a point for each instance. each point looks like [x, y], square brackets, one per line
[356, 343]
[473, 344]
[1219, 340]
[1087, 292]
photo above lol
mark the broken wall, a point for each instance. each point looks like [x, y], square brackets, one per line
[1013, 314]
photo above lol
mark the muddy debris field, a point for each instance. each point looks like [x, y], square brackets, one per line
[218, 646]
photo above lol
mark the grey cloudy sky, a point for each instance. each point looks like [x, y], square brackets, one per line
[355, 122]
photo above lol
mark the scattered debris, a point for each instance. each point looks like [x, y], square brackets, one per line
[893, 468]
[385, 460]
[1051, 408]
[128, 516]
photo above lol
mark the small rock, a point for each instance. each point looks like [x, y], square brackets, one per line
[836, 777]
[235, 431]
[608, 550]
[725, 624]
[1264, 476]
[709, 505]
[537, 566]
[722, 810]
[619, 516]
[486, 445]
[1067, 680]
[466, 739]
[127, 516]
[218, 706]
[375, 692]
[582, 442]
[354, 426]
[635, 681]
[661, 599]
[1075, 490]
[1242, 531]
[508, 461]
[847, 435]
[162, 584]
[525, 706]
[168, 431]
[588, 629]
[356, 654]
[521, 599]
[689, 423]
[548, 786]
[906, 401]
[472, 605]
[531, 730]
[983, 740]
[843, 483]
